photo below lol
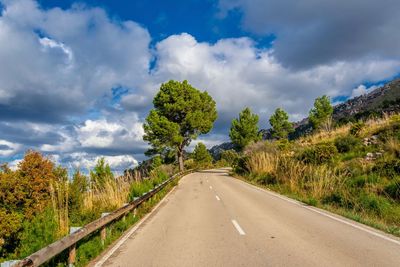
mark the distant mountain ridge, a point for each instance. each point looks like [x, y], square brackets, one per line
[385, 99]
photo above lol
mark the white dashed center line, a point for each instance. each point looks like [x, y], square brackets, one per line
[217, 197]
[238, 228]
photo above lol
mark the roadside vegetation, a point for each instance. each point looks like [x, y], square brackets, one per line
[351, 169]
[39, 203]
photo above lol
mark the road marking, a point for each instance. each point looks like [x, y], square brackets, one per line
[238, 228]
[128, 234]
[210, 187]
[217, 197]
[326, 214]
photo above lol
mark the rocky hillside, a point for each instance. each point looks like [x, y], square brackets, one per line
[385, 99]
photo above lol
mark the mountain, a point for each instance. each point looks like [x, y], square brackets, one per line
[385, 99]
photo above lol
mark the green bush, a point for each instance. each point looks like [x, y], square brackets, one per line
[356, 128]
[38, 232]
[319, 153]
[393, 189]
[240, 165]
[388, 168]
[338, 199]
[373, 203]
[346, 143]
[230, 156]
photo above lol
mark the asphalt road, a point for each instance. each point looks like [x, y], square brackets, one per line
[212, 219]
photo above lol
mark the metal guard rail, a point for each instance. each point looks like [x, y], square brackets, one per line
[47, 253]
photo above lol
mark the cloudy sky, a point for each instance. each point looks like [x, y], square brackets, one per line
[77, 78]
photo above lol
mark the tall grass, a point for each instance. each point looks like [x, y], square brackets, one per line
[108, 196]
[306, 179]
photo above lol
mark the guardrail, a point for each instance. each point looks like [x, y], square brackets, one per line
[69, 241]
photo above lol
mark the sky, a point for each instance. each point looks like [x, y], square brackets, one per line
[77, 78]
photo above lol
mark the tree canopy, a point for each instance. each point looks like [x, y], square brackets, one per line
[201, 154]
[244, 129]
[321, 113]
[181, 113]
[281, 127]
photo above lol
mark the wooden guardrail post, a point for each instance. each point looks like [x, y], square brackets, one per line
[72, 249]
[124, 217]
[103, 230]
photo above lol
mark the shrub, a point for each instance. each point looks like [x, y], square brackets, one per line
[38, 232]
[393, 189]
[338, 198]
[388, 168]
[356, 128]
[373, 203]
[229, 156]
[319, 153]
[346, 143]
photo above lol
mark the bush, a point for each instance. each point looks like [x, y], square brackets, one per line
[319, 153]
[38, 232]
[229, 156]
[346, 143]
[393, 189]
[356, 128]
[373, 203]
[390, 168]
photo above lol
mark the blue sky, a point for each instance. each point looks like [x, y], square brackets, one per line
[77, 78]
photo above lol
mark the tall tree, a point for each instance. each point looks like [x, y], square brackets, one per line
[201, 154]
[244, 130]
[181, 113]
[321, 113]
[281, 127]
[101, 173]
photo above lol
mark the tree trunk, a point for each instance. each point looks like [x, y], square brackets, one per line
[180, 160]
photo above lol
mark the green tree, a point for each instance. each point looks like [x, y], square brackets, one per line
[77, 188]
[201, 154]
[281, 127]
[244, 130]
[321, 113]
[101, 173]
[181, 113]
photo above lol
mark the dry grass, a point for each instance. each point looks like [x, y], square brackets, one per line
[260, 163]
[112, 195]
[325, 135]
[312, 180]
[373, 125]
[59, 199]
[393, 146]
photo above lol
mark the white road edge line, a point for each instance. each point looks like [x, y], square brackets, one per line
[128, 234]
[324, 213]
[217, 197]
[238, 228]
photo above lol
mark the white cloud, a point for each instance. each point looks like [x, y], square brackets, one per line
[85, 161]
[8, 148]
[362, 90]
[237, 74]
[59, 66]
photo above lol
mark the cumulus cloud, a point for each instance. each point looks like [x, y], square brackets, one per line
[362, 90]
[76, 84]
[8, 148]
[57, 63]
[85, 162]
[313, 32]
[238, 74]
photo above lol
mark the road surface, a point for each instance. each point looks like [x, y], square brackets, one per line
[212, 219]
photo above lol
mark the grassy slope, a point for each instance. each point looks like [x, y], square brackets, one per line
[330, 170]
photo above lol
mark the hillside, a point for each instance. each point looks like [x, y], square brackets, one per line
[385, 99]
